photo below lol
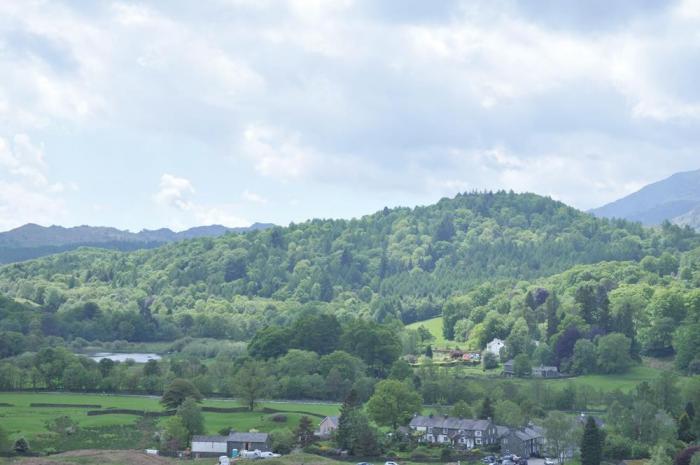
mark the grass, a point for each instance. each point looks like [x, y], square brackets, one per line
[21, 420]
[434, 325]
[624, 382]
[129, 458]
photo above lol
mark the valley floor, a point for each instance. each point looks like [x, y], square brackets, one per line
[22, 417]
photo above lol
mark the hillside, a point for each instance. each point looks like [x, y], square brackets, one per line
[676, 199]
[34, 241]
[398, 263]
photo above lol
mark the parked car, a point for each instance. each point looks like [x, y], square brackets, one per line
[522, 461]
[489, 459]
[508, 462]
[364, 463]
[269, 455]
[390, 463]
[548, 461]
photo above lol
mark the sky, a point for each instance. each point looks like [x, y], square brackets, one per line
[177, 113]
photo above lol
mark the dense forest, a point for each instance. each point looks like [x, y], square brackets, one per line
[395, 264]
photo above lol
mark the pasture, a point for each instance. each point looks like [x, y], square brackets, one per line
[121, 430]
[434, 325]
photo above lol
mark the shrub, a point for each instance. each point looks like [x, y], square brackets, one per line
[420, 453]
[21, 446]
[446, 454]
[313, 449]
[279, 418]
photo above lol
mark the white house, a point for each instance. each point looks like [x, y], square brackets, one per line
[495, 346]
[327, 426]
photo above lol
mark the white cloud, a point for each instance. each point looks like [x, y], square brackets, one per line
[175, 195]
[357, 94]
[174, 192]
[26, 194]
[253, 197]
[276, 153]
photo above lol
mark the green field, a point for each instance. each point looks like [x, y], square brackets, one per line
[21, 420]
[434, 325]
[624, 382]
[111, 457]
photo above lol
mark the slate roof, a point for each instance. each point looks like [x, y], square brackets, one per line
[333, 419]
[449, 423]
[233, 437]
[502, 430]
[247, 437]
[528, 433]
[209, 438]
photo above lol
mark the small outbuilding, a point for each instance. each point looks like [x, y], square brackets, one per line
[215, 446]
[327, 426]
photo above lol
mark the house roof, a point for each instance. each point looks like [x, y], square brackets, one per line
[332, 419]
[524, 434]
[233, 437]
[450, 423]
[502, 430]
[209, 438]
[247, 437]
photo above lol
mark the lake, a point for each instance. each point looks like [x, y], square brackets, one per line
[122, 357]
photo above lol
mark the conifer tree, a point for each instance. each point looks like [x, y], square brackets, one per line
[591, 444]
[486, 410]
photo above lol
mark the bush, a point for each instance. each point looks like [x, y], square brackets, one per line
[282, 441]
[420, 453]
[21, 446]
[446, 454]
[313, 449]
[617, 447]
[279, 418]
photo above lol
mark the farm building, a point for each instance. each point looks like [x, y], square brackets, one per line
[214, 446]
[327, 426]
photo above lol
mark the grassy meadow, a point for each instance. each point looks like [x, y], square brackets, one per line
[120, 430]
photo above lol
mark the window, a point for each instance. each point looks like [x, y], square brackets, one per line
[478, 440]
[478, 433]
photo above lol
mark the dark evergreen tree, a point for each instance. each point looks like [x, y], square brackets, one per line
[586, 302]
[685, 428]
[690, 410]
[445, 230]
[429, 351]
[344, 432]
[591, 443]
[305, 431]
[486, 410]
[552, 308]
[530, 300]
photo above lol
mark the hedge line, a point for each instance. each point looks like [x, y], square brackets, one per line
[3, 404]
[143, 413]
[126, 411]
[41, 405]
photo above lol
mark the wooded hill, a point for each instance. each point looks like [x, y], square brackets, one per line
[397, 263]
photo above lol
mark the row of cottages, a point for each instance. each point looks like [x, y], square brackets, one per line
[468, 434]
[215, 446]
[459, 433]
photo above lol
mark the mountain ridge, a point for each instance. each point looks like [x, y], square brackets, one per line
[31, 240]
[675, 198]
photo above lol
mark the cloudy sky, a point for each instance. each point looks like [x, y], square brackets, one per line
[178, 113]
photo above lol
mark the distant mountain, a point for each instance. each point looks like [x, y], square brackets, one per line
[676, 199]
[34, 241]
